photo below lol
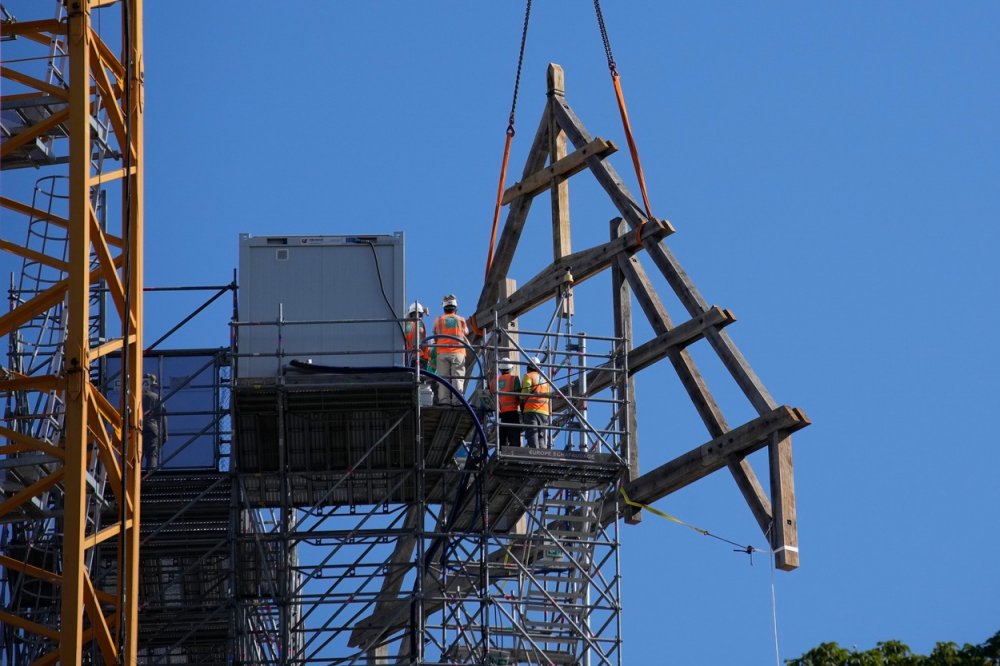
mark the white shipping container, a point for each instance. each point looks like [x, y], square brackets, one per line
[326, 291]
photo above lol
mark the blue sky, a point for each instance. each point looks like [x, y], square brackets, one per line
[832, 171]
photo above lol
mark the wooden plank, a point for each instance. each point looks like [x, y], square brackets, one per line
[677, 338]
[665, 261]
[696, 387]
[517, 214]
[784, 534]
[601, 377]
[581, 265]
[559, 170]
[605, 174]
[752, 491]
[668, 265]
[723, 345]
[714, 454]
[687, 371]
[628, 423]
[559, 194]
[561, 245]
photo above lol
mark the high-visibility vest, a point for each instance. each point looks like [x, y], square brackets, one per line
[536, 393]
[450, 324]
[507, 383]
[410, 333]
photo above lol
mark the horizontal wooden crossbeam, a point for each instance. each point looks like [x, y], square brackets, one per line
[715, 454]
[573, 163]
[679, 337]
[579, 265]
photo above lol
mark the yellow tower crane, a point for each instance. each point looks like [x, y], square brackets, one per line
[63, 82]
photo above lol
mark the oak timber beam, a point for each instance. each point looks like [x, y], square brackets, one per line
[677, 338]
[687, 371]
[694, 302]
[561, 239]
[605, 174]
[581, 265]
[746, 480]
[517, 214]
[695, 386]
[784, 530]
[603, 376]
[715, 454]
[572, 164]
[628, 424]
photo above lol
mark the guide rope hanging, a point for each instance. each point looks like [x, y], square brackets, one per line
[510, 136]
[625, 121]
[749, 550]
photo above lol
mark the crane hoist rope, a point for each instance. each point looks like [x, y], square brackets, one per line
[510, 136]
[626, 125]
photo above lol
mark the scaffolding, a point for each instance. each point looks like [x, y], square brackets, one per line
[375, 526]
[337, 515]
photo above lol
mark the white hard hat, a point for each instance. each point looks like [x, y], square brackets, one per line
[449, 300]
[415, 308]
[505, 364]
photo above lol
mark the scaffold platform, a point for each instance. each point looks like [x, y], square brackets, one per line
[515, 475]
[345, 440]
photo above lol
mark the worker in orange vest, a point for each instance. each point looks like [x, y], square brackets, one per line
[507, 389]
[535, 406]
[451, 352]
[415, 332]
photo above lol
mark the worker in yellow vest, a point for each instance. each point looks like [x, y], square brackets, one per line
[507, 389]
[415, 332]
[451, 353]
[535, 406]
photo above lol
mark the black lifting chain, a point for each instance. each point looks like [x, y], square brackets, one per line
[604, 36]
[520, 60]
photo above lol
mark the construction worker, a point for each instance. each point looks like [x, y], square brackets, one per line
[415, 332]
[507, 389]
[154, 422]
[451, 352]
[535, 406]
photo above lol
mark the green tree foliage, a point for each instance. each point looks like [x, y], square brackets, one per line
[895, 653]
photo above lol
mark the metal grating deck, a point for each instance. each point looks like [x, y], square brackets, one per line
[343, 442]
[516, 475]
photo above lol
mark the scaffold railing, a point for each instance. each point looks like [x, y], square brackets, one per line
[379, 526]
